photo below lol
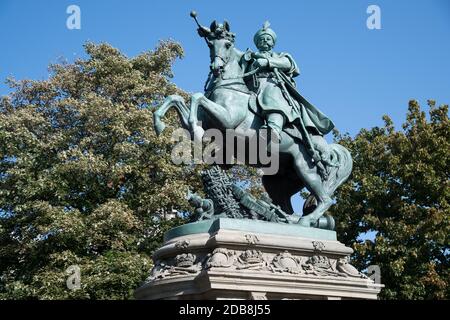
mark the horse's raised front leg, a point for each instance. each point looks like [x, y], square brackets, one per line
[171, 101]
[197, 129]
[229, 111]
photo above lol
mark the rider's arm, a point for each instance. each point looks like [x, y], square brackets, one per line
[284, 62]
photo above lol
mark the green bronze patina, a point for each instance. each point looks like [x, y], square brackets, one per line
[247, 225]
[256, 90]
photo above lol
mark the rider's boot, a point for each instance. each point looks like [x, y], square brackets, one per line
[271, 136]
[275, 122]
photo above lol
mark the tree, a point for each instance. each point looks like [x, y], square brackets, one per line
[399, 190]
[84, 179]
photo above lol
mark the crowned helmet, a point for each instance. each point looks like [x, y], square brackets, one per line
[265, 30]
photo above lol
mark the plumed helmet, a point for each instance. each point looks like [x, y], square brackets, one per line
[265, 30]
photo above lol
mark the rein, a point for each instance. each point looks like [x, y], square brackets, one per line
[243, 76]
[225, 86]
[208, 79]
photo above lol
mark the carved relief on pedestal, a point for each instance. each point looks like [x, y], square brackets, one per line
[344, 267]
[286, 262]
[159, 271]
[255, 260]
[185, 260]
[319, 246]
[182, 264]
[220, 258]
[251, 259]
[318, 265]
[185, 263]
[182, 244]
[251, 238]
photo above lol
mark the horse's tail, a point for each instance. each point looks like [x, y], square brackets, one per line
[171, 101]
[339, 174]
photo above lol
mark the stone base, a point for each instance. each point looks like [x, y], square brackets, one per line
[247, 259]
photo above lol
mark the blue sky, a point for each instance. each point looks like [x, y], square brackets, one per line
[353, 74]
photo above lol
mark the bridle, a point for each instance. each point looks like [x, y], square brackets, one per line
[225, 62]
[208, 79]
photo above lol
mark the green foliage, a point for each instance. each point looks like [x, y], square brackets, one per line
[84, 181]
[83, 177]
[400, 189]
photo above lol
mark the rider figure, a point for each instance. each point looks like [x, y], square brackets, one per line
[270, 77]
[279, 100]
[274, 104]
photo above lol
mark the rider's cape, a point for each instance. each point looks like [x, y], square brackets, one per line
[271, 99]
[311, 116]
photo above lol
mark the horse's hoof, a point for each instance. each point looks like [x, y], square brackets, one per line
[305, 222]
[198, 133]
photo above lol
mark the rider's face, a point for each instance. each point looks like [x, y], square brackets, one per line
[265, 42]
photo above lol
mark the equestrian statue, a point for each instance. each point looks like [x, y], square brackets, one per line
[256, 91]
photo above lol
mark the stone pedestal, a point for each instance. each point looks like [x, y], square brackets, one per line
[249, 259]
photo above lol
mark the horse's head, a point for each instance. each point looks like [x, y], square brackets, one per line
[221, 43]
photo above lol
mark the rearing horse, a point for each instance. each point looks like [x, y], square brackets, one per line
[226, 105]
